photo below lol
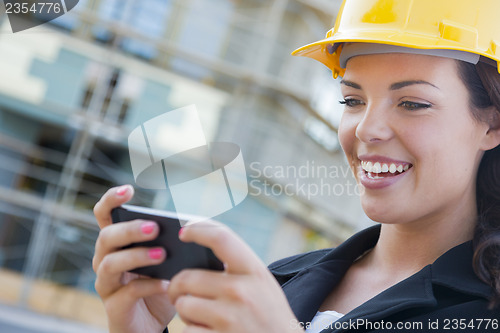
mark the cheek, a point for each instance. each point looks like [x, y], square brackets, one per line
[347, 134]
[443, 154]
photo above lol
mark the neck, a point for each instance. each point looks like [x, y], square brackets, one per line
[404, 249]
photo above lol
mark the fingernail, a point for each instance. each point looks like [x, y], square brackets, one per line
[122, 189]
[165, 284]
[155, 253]
[148, 227]
[181, 231]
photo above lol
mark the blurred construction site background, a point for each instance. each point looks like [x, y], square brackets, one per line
[73, 89]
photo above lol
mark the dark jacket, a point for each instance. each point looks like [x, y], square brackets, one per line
[443, 297]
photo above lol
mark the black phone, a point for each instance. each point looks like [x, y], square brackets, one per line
[180, 255]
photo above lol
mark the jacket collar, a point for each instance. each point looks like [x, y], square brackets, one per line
[310, 284]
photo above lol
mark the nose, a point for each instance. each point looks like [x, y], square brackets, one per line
[375, 124]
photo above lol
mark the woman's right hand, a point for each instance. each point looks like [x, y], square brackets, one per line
[133, 303]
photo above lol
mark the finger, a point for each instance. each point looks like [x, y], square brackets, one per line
[110, 271]
[226, 245]
[197, 329]
[203, 283]
[127, 296]
[114, 237]
[114, 197]
[202, 313]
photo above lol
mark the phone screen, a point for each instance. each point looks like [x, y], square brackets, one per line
[180, 255]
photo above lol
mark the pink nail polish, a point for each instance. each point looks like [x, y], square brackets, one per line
[148, 227]
[122, 190]
[155, 253]
[181, 231]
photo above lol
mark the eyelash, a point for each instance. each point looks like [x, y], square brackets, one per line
[411, 106]
[348, 102]
[408, 105]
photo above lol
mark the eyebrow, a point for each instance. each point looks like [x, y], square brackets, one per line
[394, 86]
[350, 84]
[402, 84]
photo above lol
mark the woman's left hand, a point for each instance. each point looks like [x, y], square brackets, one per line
[244, 298]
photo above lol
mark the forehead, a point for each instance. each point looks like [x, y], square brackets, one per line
[399, 65]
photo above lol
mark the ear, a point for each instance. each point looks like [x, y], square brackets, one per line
[492, 137]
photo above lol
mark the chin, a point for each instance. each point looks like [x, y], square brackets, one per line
[382, 213]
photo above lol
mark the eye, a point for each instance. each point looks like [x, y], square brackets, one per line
[413, 106]
[351, 102]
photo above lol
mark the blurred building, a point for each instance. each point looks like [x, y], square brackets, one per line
[72, 90]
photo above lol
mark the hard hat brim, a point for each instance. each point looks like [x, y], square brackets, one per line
[319, 50]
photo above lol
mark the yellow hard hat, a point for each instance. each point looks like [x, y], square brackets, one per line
[460, 25]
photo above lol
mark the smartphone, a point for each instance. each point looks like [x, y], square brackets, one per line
[180, 255]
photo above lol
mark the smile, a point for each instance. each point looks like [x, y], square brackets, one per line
[377, 170]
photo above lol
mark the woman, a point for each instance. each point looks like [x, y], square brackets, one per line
[421, 132]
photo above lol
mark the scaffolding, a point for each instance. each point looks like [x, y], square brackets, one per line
[59, 155]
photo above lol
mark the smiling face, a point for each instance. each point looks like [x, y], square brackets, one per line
[410, 137]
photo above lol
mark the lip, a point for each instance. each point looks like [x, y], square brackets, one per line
[381, 159]
[374, 184]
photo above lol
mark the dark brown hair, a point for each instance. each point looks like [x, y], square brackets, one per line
[483, 83]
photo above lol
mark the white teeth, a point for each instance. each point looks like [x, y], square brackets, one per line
[373, 176]
[377, 167]
[367, 166]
